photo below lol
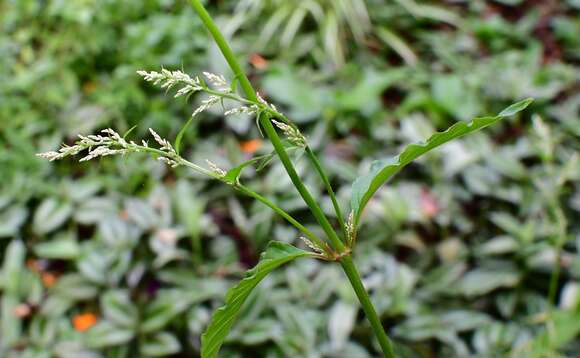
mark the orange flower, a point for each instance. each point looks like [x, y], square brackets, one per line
[22, 310]
[48, 279]
[33, 265]
[251, 146]
[84, 321]
[258, 61]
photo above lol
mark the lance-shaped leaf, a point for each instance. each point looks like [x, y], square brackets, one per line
[276, 254]
[382, 170]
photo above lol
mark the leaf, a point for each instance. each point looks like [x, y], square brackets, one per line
[161, 344]
[340, 324]
[12, 266]
[382, 170]
[482, 281]
[50, 215]
[65, 248]
[74, 287]
[421, 327]
[105, 334]
[10, 324]
[11, 220]
[179, 137]
[166, 306]
[117, 307]
[233, 174]
[276, 254]
[562, 327]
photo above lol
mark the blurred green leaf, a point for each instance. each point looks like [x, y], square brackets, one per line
[482, 281]
[118, 308]
[161, 344]
[381, 171]
[50, 215]
[275, 255]
[106, 334]
[64, 248]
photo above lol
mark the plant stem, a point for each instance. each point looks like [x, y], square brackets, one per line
[346, 260]
[326, 182]
[267, 125]
[354, 277]
[282, 213]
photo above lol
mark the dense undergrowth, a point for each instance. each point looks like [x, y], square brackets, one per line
[126, 258]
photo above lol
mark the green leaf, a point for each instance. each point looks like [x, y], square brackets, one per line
[563, 327]
[11, 220]
[65, 248]
[12, 266]
[161, 344]
[179, 137]
[117, 307]
[276, 254]
[233, 174]
[167, 305]
[50, 215]
[481, 281]
[382, 170]
[105, 334]
[10, 324]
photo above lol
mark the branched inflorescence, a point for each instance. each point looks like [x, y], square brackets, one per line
[110, 142]
[98, 146]
[220, 90]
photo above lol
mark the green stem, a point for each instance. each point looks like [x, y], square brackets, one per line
[354, 277]
[267, 125]
[345, 261]
[314, 160]
[243, 189]
[284, 214]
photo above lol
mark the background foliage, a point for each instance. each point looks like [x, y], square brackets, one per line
[123, 257]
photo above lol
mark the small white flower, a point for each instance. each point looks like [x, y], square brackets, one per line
[311, 245]
[164, 143]
[172, 163]
[205, 104]
[101, 152]
[292, 133]
[168, 79]
[350, 229]
[218, 81]
[51, 155]
[253, 109]
[215, 169]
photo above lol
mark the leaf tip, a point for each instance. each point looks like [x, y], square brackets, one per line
[516, 107]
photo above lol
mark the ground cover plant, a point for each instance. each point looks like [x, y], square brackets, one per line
[466, 253]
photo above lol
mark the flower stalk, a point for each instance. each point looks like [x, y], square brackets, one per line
[265, 122]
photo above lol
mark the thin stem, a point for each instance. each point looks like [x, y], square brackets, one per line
[267, 125]
[314, 160]
[310, 201]
[368, 308]
[345, 261]
[245, 190]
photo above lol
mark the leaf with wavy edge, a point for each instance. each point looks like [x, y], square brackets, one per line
[381, 171]
[276, 254]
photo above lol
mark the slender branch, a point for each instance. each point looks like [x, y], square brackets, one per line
[267, 125]
[264, 120]
[329, 190]
[368, 308]
[245, 190]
